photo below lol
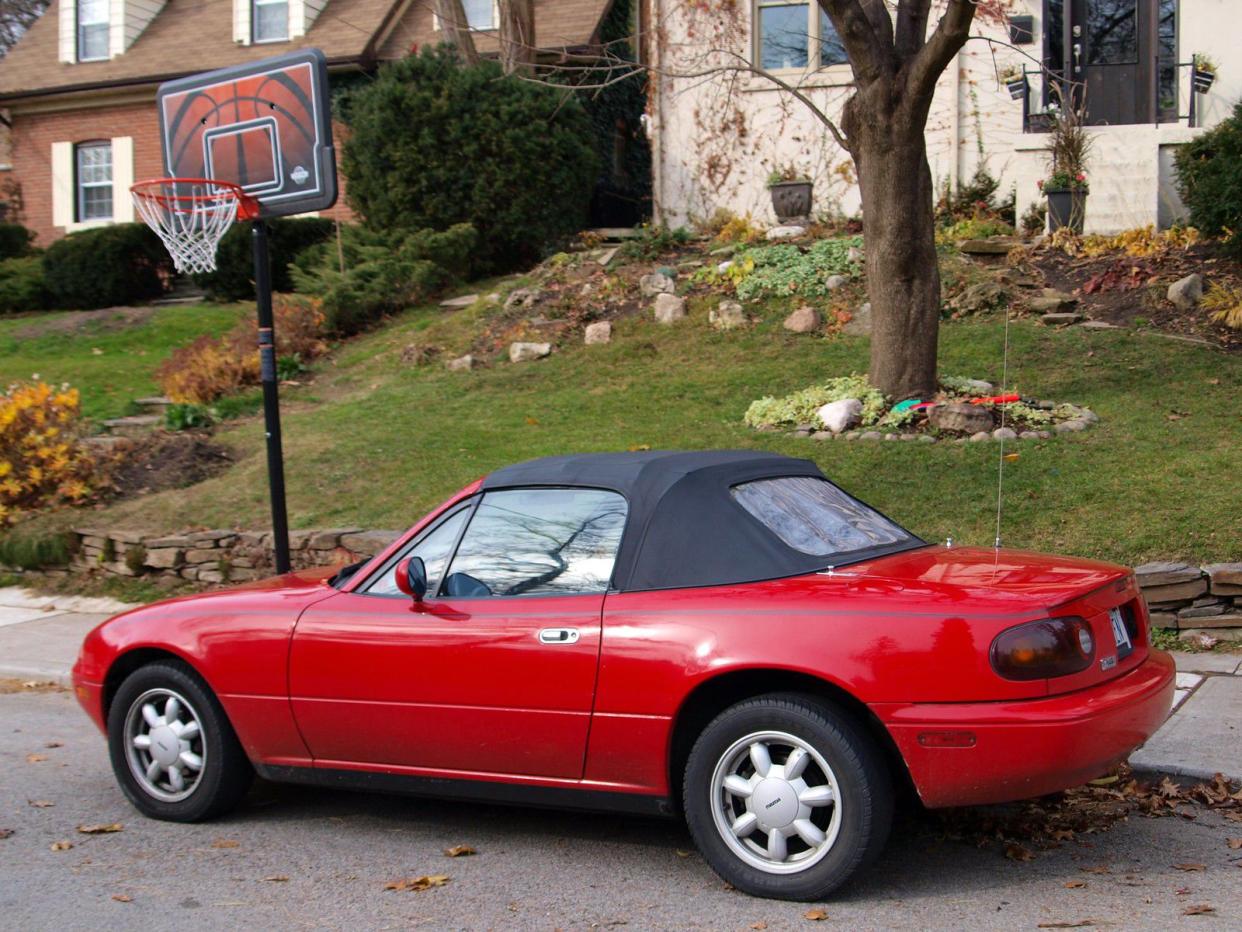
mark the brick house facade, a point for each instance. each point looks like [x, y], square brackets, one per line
[78, 91]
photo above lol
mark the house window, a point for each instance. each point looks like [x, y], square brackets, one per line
[92, 30]
[795, 35]
[480, 14]
[271, 20]
[93, 167]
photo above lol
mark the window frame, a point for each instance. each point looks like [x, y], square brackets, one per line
[814, 38]
[254, 21]
[469, 505]
[80, 186]
[494, 27]
[80, 26]
[439, 593]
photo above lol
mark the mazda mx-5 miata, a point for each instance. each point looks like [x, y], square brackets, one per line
[727, 636]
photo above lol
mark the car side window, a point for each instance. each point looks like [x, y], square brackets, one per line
[435, 547]
[538, 542]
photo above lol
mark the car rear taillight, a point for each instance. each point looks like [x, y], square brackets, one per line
[1041, 649]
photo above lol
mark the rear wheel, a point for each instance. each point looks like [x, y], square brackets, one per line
[173, 750]
[786, 797]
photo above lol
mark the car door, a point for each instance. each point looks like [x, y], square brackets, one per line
[494, 671]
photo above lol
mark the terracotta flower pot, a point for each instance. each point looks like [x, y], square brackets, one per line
[791, 200]
[1067, 207]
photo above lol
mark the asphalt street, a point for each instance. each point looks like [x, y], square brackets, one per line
[294, 858]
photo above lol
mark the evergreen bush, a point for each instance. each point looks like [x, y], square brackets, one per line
[106, 266]
[233, 279]
[15, 240]
[22, 285]
[1209, 174]
[433, 144]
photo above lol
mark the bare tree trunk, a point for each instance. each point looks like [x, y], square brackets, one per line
[455, 28]
[517, 36]
[903, 276]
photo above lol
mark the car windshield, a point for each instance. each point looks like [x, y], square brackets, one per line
[815, 517]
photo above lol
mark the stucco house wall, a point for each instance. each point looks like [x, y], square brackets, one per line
[716, 137]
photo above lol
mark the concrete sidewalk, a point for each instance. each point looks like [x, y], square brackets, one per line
[40, 637]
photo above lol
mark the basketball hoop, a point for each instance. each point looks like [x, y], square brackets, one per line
[190, 215]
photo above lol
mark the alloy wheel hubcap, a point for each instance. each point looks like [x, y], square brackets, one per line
[776, 802]
[164, 744]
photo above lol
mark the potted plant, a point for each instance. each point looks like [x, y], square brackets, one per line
[1014, 78]
[1203, 74]
[791, 194]
[1066, 188]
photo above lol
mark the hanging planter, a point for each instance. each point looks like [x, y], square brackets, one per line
[1203, 75]
[1015, 81]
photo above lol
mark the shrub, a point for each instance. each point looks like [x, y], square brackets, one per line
[433, 144]
[41, 460]
[106, 266]
[22, 285]
[181, 416]
[233, 279]
[384, 273]
[785, 269]
[30, 549]
[653, 241]
[212, 367]
[15, 240]
[1209, 174]
[975, 198]
[1224, 305]
[799, 407]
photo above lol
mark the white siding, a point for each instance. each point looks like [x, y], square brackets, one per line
[241, 22]
[62, 184]
[68, 31]
[122, 178]
[137, 16]
[302, 15]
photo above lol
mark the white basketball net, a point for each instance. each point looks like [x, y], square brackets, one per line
[189, 216]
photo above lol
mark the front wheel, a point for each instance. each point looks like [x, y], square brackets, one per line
[786, 797]
[173, 750]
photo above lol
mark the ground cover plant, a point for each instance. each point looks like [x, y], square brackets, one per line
[42, 462]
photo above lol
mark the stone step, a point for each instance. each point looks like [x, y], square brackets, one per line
[155, 401]
[133, 426]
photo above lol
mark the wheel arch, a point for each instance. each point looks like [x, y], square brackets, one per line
[135, 658]
[712, 696]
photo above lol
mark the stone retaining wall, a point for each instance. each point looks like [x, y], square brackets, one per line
[1179, 595]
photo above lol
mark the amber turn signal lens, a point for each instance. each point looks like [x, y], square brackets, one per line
[1042, 649]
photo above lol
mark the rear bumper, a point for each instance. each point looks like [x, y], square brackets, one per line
[1029, 748]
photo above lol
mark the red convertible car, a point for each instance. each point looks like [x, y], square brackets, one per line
[724, 635]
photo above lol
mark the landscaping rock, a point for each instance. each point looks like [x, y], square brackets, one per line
[330, 538]
[1029, 435]
[460, 364]
[822, 435]
[833, 282]
[996, 246]
[980, 436]
[854, 254]
[727, 315]
[792, 231]
[1186, 292]
[1216, 622]
[1163, 619]
[598, 332]
[723, 267]
[155, 543]
[1224, 578]
[1058, 318]
[1207, 610]
[521, 352]
[521, 298]
[840, 415]
[1098, 325]
[669, 308]
[1004, 433]
[961, 418]
[871, 435]
[464, 300]
[1159, 595]
[1070, 427]
[804, 320]
[859, 325]
[655, 283]
[926, 438]
[163, 558]
[980, 297]
[368, 543]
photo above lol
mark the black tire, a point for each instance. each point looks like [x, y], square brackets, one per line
[226, 772]
[864, 784]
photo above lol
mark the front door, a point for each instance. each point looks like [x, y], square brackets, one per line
[494, 672]
[1119, 57]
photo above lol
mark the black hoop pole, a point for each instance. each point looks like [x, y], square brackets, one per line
[271, 399]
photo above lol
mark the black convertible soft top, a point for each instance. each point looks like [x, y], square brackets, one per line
[684, 528]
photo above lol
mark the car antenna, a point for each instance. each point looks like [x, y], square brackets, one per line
[1000, 459]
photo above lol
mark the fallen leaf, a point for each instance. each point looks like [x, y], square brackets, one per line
[225, 843]
[459, 851]
[1062, 834]
[1017, 852]
[1099, 869]
[122, 898]
[1199, 909]
[60, 846]
[1234, 843]
[1081, 924]
[276, 878]
[532, 421]
[682, 854]
[1010, 457]
[1182, 891]
[35, 758]
[102, 829]
[41, 803]
[1075, 884]
[815, 915]
[6, 832]
[54, 744]
[1190, 866]
[759, 926]
[418, 884]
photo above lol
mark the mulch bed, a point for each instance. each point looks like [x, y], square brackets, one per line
[166, 460]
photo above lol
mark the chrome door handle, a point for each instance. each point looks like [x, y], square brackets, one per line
[558, 636]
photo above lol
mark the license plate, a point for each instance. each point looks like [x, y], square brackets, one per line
[1120, 634]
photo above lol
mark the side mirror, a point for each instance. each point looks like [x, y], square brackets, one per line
[412, 577]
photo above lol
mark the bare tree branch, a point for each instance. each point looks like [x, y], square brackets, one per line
[517, 36]
[951, 34]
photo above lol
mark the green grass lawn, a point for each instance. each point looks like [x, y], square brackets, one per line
[106, 354]
[374, 442]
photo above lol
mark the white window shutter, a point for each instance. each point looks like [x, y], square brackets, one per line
[62, 184]
[122, 178]
[68, 31]
[241, 22]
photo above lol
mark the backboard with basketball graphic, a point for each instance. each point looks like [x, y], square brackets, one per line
[264, 126]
